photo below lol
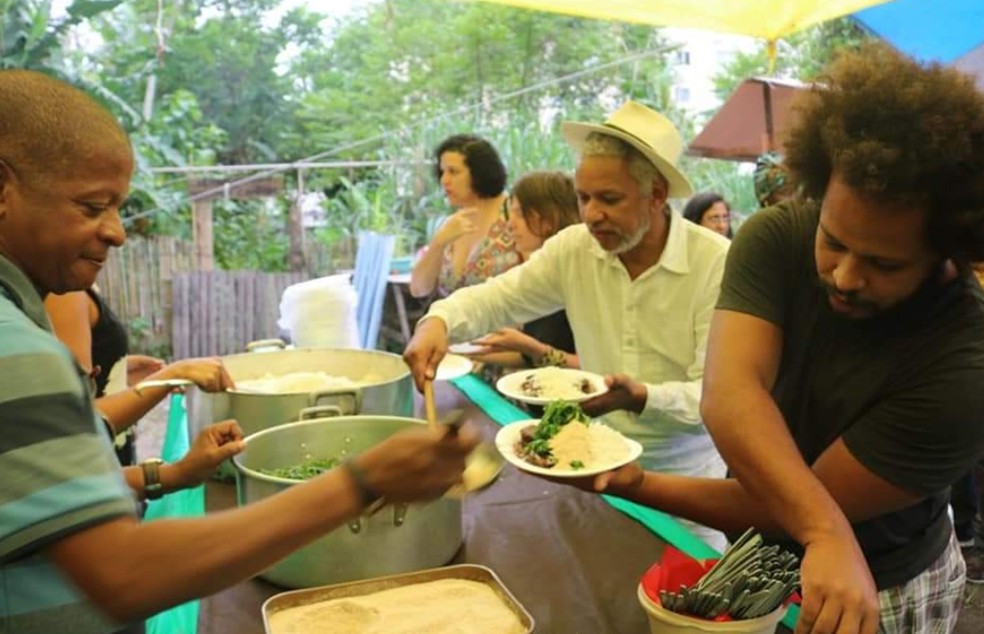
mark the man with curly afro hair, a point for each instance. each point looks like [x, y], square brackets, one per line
[844, 380]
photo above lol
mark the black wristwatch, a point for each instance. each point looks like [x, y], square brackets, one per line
[153, 489]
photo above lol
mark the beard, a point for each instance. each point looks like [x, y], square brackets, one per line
[632, 241]
[852, 299]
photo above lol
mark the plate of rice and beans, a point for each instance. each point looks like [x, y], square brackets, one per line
[545, 385]
[565, 443]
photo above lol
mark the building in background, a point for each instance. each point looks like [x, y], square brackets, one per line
[700, 56]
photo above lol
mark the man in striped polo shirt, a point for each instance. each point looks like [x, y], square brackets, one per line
[73, 557]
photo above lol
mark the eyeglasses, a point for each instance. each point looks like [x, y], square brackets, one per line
[718, 218]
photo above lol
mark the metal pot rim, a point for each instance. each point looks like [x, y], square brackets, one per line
[247, 394]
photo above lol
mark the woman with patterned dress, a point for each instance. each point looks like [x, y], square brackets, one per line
[475, 242]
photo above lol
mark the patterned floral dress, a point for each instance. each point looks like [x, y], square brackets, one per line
[495, 254]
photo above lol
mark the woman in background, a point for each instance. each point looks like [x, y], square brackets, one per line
[98, 340]
[711, 210]
[475, 242]
[541, 204]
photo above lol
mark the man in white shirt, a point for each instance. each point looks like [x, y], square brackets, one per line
[638, 282]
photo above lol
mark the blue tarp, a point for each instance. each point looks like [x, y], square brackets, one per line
[929, 30]
[372, 267]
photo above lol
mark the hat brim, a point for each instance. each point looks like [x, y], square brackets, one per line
[575, 132]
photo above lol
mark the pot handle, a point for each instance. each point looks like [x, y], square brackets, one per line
[338, 397]
[319, 411]
[260, 344]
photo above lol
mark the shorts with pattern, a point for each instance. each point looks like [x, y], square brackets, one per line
[929, 603]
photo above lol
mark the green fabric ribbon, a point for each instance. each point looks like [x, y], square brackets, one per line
[181, 619]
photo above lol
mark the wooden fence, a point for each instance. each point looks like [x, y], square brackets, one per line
[219, 312]
[136, 282]
[172, 310]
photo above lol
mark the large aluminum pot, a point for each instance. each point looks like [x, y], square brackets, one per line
[387, 389]
[398, 538]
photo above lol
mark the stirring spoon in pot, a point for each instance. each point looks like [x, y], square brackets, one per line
[429, 406]
[482, 465]
[431, 423]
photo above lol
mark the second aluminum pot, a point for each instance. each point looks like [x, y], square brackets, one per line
[398, 538]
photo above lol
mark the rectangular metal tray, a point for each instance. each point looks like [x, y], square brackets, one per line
[468, 572]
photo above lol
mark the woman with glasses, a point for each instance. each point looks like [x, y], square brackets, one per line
[711, 210]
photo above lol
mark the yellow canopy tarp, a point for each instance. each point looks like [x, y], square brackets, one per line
[767, 19]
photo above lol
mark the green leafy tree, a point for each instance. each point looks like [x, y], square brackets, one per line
[414, 60]
[800, 56]
[218, 81]
[219, 51]
[176, 136]
[386, 87]
[31, 38]
[252, 235]
[199, 86]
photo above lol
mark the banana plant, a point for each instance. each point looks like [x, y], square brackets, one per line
[31, 38]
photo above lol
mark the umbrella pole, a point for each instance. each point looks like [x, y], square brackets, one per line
[768, 139]
[770, 52]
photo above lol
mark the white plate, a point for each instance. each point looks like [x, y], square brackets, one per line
[452, 366]
[509, 435]
[510, 385]
[465, 348]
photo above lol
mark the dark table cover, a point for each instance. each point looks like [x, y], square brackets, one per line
[570, 558]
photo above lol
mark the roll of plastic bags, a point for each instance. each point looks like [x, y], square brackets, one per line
[321, 313]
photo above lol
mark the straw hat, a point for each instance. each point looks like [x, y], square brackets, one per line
[647, 131]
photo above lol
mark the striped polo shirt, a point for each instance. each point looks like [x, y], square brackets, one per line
[59, 473]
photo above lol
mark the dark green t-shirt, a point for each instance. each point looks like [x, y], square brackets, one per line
[904, 389]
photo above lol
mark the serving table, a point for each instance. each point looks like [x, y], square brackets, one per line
[571, 558]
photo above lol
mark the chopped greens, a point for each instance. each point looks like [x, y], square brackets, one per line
[535, 444]
[577, 464]
[556, 415]
[305, 470]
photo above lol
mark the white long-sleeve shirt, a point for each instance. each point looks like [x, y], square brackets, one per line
[653, 328]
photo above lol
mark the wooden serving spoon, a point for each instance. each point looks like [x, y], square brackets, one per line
[482, 465]
[429, 405]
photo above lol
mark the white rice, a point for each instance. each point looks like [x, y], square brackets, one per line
[296, 382]
[554, 384]
[596, 446]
